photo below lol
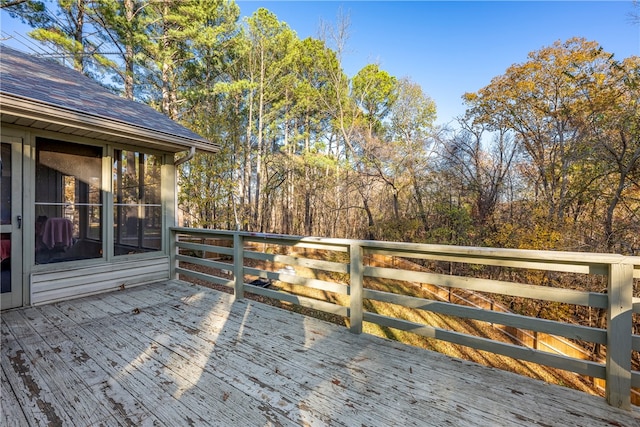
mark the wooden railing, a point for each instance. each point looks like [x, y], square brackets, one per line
[345, 267]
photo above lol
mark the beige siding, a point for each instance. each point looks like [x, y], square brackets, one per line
[76, 282]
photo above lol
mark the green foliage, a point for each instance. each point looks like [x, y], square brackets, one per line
[31, 12]
[453, 226]
[66, 28]
[374, 91]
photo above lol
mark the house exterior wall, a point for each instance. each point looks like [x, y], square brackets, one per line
[66, 283]
[51, 282]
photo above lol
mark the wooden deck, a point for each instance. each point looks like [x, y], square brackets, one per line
[178, 354]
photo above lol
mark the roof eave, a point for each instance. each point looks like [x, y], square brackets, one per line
[137, 135]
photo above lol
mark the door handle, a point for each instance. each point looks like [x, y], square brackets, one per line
[19, 218]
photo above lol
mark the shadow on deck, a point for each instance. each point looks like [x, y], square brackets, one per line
[178, 354]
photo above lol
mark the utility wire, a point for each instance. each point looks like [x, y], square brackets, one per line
[28, 43]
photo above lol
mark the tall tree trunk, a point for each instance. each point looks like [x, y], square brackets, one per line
[129, 53]
[308, 217]
[608, 221]
[260, 143]
[165, 89]
[396, 208]
[419, 200]
[246, 186]
[367, 209]
[165, 66]
[287, 209]
[78, 36]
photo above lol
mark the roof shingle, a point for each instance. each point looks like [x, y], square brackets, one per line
[50, 83]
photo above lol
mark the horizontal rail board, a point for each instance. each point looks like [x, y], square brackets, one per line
[298, 261]
[322, 247]
[299, 280]
[486, 252]
[315, 304]
[568, 296]
[502, 253]
[636, 305]
[322, 285]
[206, 277]
[635, 342]
[599, 269]
[335, 267]
[299, 244]
[205, 248]
[583, 367]
[203, 233]
[507, 319]
[205, 262]
[293, 242]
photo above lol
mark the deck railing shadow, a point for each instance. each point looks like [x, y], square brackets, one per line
[235, 259]
[220, 345]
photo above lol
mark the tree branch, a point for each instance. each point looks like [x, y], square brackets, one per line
[12, 3]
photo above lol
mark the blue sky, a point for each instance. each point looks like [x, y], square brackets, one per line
[448, 47]
[453, 47]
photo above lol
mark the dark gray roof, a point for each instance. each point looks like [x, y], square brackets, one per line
[47, 82]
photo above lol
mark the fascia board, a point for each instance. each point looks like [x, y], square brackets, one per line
[31, 109]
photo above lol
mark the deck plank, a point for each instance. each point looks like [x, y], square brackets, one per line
[123, 406]
[282, 389]
[68, 384]
[213, 367]
[363, 362]
[40, 400]
[174, 370]
[179, 354]
[182, 376]
[11, 414]
[488, 402]
[134, 369]
[288, 367]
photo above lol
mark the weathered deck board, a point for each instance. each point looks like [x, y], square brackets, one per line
[283, 375]
[156, 388]
[11, 413]
[178, 354]
[343, 388]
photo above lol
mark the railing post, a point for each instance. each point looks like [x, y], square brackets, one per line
[356, 274]
[173, 251]
[238, 266]
[619, 327]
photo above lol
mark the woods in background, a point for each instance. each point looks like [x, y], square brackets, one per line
[547, 155]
